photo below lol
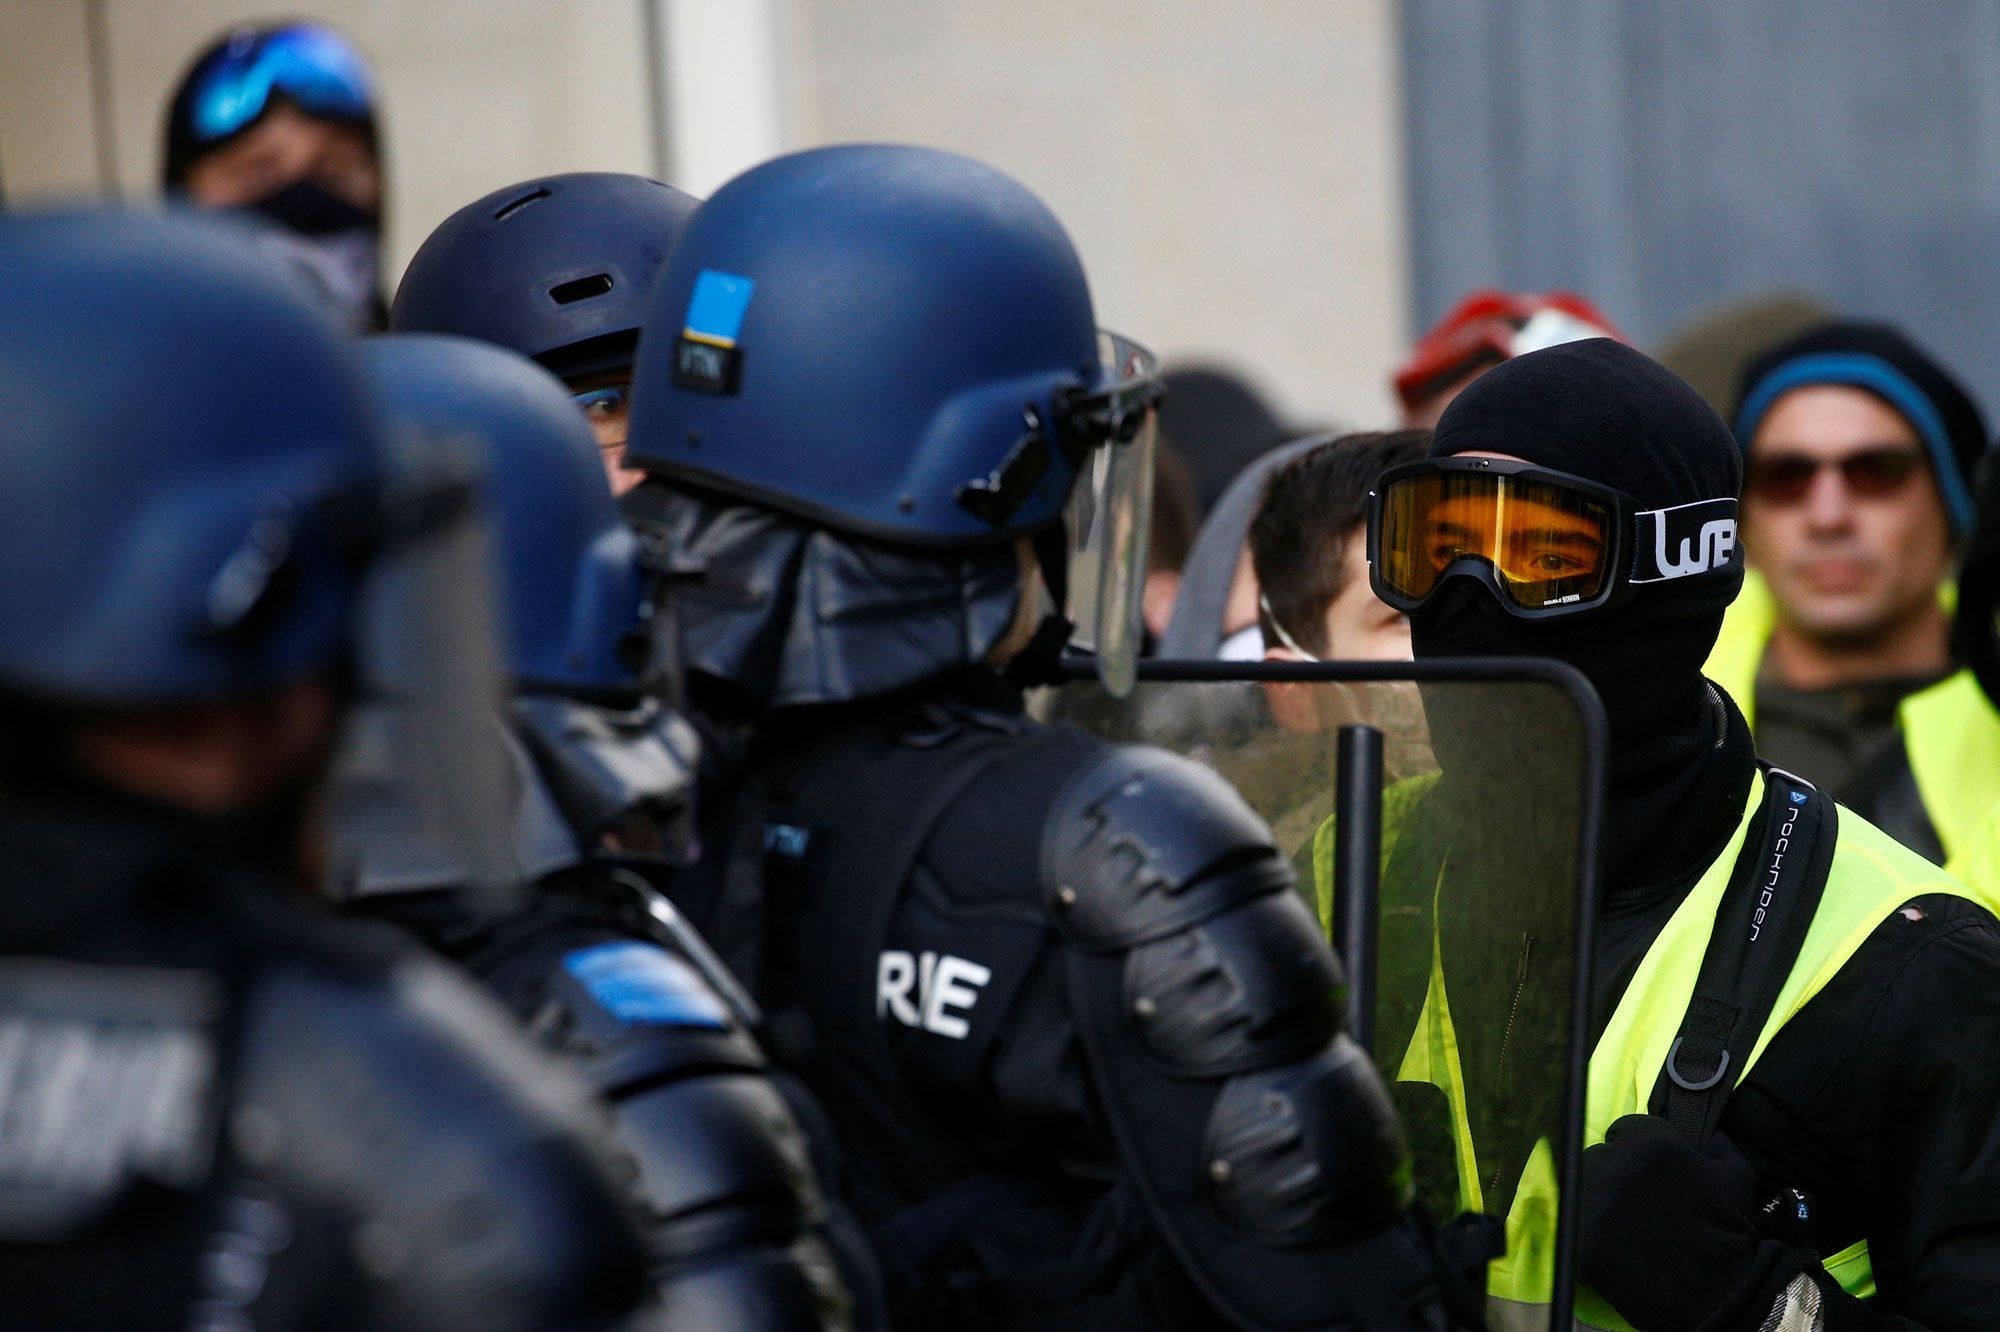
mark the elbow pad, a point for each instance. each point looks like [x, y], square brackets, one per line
[1211, 1014]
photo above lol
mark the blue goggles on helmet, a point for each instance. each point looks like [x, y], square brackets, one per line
[311, 66]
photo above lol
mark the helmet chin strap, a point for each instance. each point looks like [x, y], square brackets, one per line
[1051, 546]
[1039, 664]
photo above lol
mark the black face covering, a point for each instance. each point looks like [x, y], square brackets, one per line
[1681, 758]
[335, 245]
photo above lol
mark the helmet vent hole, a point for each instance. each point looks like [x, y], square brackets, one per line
[513, 206]
[580, 289]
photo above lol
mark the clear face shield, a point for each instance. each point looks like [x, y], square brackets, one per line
[424, 784]
[1110, 510]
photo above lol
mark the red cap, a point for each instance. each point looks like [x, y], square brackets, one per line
[1495, 326]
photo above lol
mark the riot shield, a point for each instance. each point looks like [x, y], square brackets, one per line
[1443, 820]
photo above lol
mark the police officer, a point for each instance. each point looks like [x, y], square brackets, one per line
[596, 961]
[218, 1107]
[1078, 1032]
[557, 269]
[1806, 1008]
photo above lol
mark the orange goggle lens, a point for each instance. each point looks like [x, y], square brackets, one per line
[1548, 546]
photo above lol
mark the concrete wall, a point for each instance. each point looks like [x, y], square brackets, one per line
[476, 93]
[1232, 173]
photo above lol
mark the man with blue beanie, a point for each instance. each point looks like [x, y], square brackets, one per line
[1860, 450]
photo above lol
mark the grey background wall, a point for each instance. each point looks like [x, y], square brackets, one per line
[1663, 155]
[1232, 172]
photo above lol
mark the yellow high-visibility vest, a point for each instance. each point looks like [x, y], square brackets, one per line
[1951, 733]
[1871, 876]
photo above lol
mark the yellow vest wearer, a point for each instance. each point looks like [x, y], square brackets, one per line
[1951, 733]
[1871, 876]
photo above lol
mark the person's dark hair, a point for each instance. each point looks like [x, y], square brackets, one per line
[1298, 540]
[1176, 511]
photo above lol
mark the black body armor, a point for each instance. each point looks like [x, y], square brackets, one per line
[220, 1111]
[1081, 1038]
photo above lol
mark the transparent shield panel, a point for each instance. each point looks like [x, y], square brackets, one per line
[424, 776]
[1469, 940]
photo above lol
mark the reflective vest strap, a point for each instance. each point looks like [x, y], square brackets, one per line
[1521, 1316]
[1951, 734]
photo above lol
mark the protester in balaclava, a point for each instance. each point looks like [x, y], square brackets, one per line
[1826, 1154]
[280, 121]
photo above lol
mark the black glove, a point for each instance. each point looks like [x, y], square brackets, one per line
[1674, 1236]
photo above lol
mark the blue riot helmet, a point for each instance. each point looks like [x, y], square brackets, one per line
[892, 348]
[180, 531]
[573, 598]
[220, 514]
[557, 269]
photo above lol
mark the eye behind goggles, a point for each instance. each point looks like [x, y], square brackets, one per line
[1545, 543]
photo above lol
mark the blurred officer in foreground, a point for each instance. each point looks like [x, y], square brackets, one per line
[1857, 495]
[219, 1107]
[1002, 952]
[280, 122]
[1756, 939]
[595, 960]
[557, 269]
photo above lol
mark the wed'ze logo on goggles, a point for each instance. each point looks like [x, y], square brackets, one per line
[1546, 543]
[1683, 541]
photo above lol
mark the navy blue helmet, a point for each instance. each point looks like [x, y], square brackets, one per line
[571, 591]
[898, 343]
[184, 433]
[557, 269]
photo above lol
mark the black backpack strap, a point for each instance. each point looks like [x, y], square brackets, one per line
[1773, 893]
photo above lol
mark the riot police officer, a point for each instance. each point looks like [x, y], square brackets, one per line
[557, 269]
[1072, 1022]
[596, 961]
[218, 1107]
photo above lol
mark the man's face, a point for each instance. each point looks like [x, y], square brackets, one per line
[1359, 625]
[1848, 554]
[606, 400]
[283, 149]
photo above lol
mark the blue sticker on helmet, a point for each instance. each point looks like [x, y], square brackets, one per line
[716, 309]
[642, 985]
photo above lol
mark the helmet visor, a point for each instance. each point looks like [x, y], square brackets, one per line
[1542, 544]
[1111, 509]
[424, 774]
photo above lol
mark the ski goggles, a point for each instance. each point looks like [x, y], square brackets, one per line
[1545, 543]
[312, 66]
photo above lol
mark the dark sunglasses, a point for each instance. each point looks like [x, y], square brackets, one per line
[1784, 478]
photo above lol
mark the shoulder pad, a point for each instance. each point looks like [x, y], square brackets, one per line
[635, 1011]
[1142, 842]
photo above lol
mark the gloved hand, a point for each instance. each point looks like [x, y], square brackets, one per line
[1673, 1235]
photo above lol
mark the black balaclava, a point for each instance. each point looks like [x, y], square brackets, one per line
[1681, 758]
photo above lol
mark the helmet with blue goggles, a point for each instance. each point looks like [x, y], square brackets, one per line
[234, 83]
[1544, 543]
